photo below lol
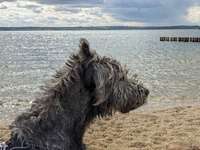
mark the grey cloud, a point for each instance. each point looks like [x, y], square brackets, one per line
[53, 18]
[34, 7]
[37, 10]
[1, 1]
[3, 6]
[132, 3]
[67, 9]
[72, 2]
[28, 6]
[149, 11]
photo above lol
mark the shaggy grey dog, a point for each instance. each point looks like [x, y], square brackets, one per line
[88, 86]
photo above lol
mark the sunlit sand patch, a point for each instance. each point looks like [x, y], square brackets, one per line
[170, 129]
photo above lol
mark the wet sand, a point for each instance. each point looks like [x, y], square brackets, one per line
[172, 129]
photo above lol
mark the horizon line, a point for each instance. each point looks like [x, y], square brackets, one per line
[78, 28]
[97, 26]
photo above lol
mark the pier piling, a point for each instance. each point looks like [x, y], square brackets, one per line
[180, 39]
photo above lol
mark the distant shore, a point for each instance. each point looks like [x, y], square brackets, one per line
[157, 130]
[97, 28]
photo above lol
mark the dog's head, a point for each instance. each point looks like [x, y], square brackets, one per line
[108, 83]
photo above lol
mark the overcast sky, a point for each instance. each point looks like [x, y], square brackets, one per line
[99, 12]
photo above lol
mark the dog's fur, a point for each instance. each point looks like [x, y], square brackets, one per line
[86, 87]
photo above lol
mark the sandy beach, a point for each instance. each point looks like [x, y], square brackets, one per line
[171, 129]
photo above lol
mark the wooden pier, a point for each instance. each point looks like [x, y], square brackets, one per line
[180, 39]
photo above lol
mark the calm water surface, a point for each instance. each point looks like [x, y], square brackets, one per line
[170, 70]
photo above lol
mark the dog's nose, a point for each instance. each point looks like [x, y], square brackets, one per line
[146, 92]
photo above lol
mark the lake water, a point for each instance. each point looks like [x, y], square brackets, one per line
[170, 70]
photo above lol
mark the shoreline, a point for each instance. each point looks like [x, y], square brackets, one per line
[8, 113]
[154, 130]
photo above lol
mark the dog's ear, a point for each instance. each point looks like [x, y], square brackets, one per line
[99, 79]
[85, 51]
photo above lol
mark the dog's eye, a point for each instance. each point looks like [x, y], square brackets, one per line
[122, 78]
